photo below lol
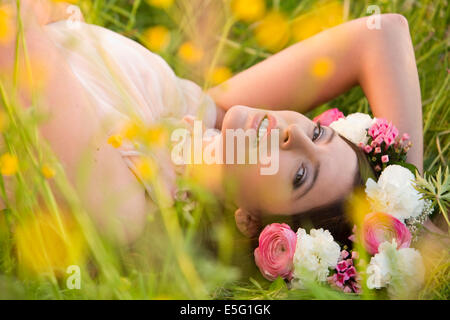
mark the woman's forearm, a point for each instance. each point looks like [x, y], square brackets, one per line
[380, 60]
[390, 81]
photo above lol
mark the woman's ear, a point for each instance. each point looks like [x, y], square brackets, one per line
[247, 223]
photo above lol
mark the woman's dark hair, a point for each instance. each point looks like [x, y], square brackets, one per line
[332, 216]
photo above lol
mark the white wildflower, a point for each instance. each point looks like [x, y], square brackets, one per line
[354, 127]
[394, 193]
[314, 255]
[402, 269]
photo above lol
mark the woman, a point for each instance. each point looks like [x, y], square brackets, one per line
[85, 107]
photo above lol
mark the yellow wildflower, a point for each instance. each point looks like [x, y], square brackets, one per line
[45, 244]
[248, 10]
[8, 164]
[322, 68]
[156, 136]
[190, 53]
[157, 38]
[358, 207]
[115, 140]
[219, 75]
[131, 130]
[48, 171]
[207, 175]
[146, 168]
[163, 4]
[7, 28]
[273, 32]
[318, 19]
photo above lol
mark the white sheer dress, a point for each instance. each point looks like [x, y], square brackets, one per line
[124, 79]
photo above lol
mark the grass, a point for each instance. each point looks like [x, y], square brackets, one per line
[194, 253]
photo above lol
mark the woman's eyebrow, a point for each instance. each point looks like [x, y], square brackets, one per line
[311, 184]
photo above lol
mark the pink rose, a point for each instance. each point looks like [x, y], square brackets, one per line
[385, 158]
[275, 254]
[379, 227]
[329, 116]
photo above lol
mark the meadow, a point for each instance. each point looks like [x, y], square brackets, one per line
[193, 250]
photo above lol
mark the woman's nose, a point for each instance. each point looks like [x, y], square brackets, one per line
[294, 137]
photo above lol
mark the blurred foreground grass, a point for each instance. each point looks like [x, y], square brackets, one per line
[192, 253]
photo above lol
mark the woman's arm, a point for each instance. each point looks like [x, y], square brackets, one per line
[381, 61]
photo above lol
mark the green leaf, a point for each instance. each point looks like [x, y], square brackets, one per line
[278, 284]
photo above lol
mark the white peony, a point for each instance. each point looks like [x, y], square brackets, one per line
[401, 269]
[353, 127]
[314, 255]
[394, 193]
[379, 270]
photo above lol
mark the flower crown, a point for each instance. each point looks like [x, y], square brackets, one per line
[397, 209]
[377, 137]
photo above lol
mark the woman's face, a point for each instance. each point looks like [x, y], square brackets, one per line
[316, 166]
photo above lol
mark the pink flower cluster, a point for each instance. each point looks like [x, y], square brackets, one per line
[385, 145]
[329, 116]
[383, 131]
[346, 278]
[275, 254]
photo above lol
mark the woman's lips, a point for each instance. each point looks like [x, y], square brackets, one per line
[257, 121]
[272, 123]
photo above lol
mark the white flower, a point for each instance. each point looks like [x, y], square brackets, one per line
[379, 270]
[314, 255]
[401, 269]
[378, 278]
[394, 193]
[353, 127]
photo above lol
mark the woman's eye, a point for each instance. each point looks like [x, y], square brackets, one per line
[299, 177]
[317, 133]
